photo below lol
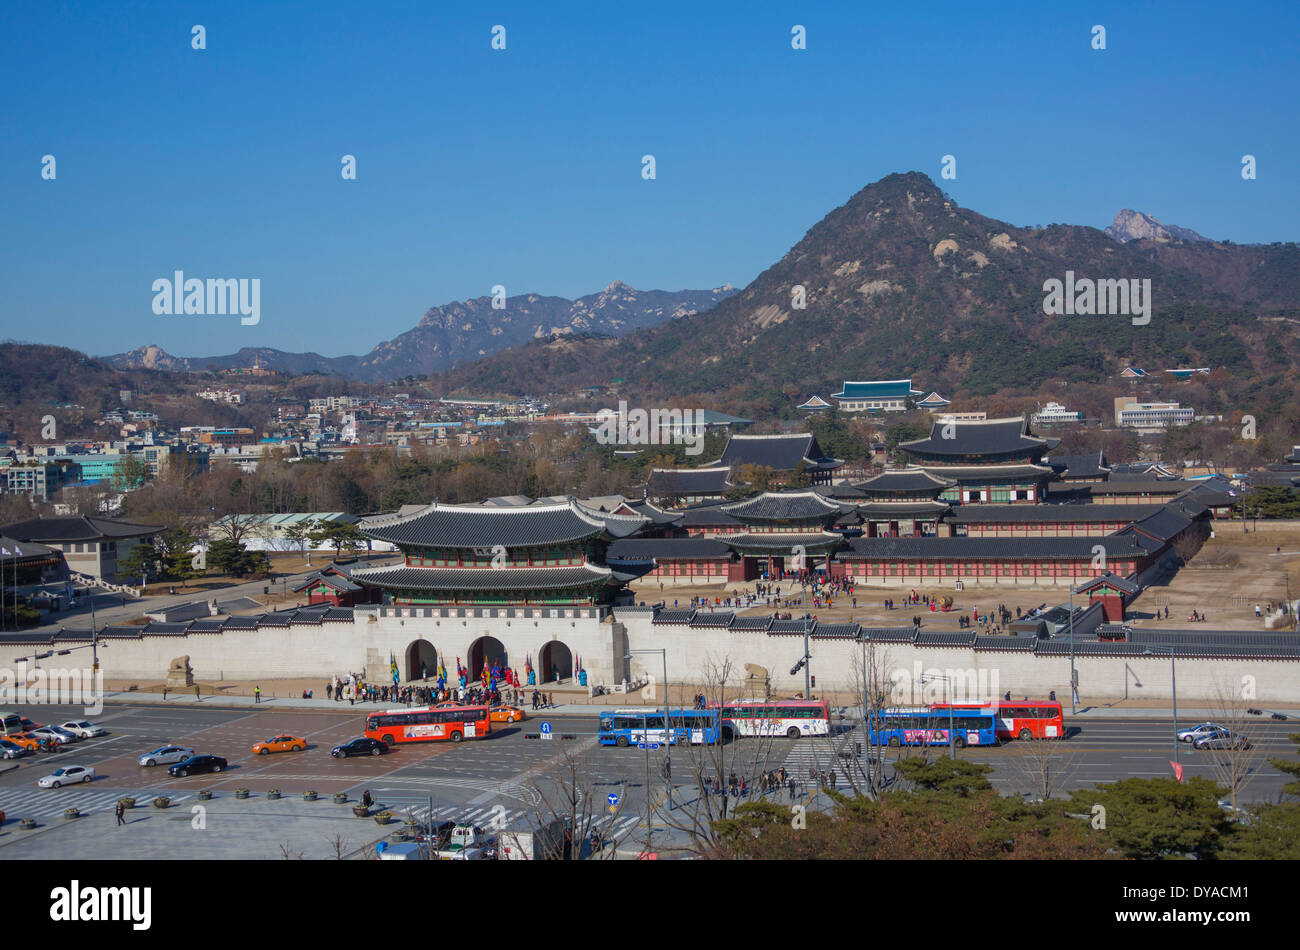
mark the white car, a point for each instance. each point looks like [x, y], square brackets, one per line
[165, 754]
[67, 775]
[83, 729]
[57, 733]
[1200, 731]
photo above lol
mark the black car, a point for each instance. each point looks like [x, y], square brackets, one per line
[196, 765]
[361, 746]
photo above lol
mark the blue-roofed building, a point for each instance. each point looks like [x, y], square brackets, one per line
[882, 395]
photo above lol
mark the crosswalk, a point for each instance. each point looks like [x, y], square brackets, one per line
[487, 816]
[48, 803]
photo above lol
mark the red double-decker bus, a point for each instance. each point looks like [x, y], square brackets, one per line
[429, 724]
[1020, 719]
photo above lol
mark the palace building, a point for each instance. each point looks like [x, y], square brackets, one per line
[539, 554]
[995, 460]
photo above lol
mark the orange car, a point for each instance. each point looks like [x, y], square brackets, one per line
[29, 742]
[506, 714]
[280, 744]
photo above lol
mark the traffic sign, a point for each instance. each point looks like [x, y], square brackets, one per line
[613, 799]
[654, 746]
[546, 731]
[640, 745]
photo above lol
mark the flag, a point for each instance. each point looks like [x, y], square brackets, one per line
[1178, 770]
[392, 668]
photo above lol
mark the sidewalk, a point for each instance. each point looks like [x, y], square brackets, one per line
[268, 704]
[574, 709]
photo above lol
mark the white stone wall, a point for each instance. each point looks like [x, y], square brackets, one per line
[365, 644]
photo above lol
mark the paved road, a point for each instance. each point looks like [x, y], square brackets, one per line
[506, 780]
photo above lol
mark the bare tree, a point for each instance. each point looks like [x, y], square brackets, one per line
[722, 775]
[1236, 759]
[570, 819]
[1045, 765]
[288, 853]
[234, 527]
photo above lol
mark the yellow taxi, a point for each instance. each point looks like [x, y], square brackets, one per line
[506, 714]
[284, 743]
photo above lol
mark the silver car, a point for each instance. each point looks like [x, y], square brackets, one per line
[84, 729]
[67, 775]
[1200, 731]
[166, 754]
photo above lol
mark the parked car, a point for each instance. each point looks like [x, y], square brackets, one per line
[197, 765]
[29, 724]
[285, 743]
[83, 729]
[164, 754]
[25, 739]
[359, 746]
[11, 750]
[1224, 739]
[1200, 731]
[57, 733]
[67, 775]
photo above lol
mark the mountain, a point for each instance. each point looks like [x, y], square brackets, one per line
[459, 332]
[902, 281]
[1130, 225]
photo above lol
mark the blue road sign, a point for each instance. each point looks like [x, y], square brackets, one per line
[546, 727]
[613, 799]
[640, 745]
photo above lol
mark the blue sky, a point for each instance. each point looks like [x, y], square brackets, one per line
[522, 167]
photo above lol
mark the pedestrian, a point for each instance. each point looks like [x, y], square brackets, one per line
[257, 694]
[791, 783]
[164, 693]
[120, 811]
[329, 690]
[196, 692]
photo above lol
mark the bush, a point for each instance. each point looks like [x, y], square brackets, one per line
[241, 793]
[162, 801]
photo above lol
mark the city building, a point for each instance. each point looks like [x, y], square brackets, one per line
[90, 546]
[1054, 414]
[1129, 413]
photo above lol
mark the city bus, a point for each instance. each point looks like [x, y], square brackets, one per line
[778, 717]
[624, 727]
[11, 723]
[1023, 719]
[427, 724]
[925, 725]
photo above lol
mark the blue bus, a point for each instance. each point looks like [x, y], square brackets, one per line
[624, 727]
[924, 726]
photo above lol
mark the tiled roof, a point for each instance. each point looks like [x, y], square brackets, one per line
[1113, 580]
[784, 506]
[58, 529]
[401, 577]
[994, 643]
[951, 549]
[713, 618]
[637, 549]
[781, 453]
[752, 622]
[910, 480]
[903, 509]
[875, 389]
[986, 437]
[1079, 466]
[964, 638]
[782, 542]
[1050, 514]
[675, 616]
[981, 474]
[472, 526]
[665, 482]
[706, 516]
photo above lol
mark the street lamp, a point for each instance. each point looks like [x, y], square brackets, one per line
[1173, 679]
[645, 737]
[1074, 677]
[928, 677]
